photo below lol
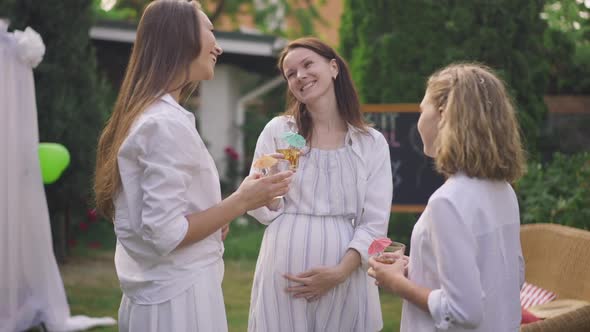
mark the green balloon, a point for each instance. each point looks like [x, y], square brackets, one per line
[54, 159]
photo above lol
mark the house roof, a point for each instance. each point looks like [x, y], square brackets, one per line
[237, 43]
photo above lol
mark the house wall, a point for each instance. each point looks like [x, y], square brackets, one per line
[331, 12]
[216, 115]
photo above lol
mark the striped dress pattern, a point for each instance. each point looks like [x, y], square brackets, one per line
[314, 231]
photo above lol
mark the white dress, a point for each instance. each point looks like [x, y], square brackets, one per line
[466, 248]
[315, 228]
[31, 288]
[166, 174]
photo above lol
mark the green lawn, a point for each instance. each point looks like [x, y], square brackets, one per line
[93, 289]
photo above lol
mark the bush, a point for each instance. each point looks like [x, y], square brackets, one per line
[401, 226]
[229, 183]
[558, 192]
[257, 116]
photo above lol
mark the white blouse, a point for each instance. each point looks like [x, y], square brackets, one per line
[466, 248]
[374, 187]
[166, 174]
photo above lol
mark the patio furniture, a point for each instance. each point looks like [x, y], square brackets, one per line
[557, 258]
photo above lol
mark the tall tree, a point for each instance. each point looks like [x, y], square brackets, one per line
[290, 18]
[569, 16]
[392, 55]
[568, 45]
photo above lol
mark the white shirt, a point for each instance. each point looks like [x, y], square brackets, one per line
[166, 174]
[466, 248]
[374, 187]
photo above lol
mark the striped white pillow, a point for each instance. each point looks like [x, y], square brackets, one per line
[531, 295]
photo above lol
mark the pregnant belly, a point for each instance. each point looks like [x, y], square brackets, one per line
[296, 243]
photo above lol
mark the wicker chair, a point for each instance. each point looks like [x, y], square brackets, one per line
[558, 259]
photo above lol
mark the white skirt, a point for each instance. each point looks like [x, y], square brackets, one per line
[199, 308]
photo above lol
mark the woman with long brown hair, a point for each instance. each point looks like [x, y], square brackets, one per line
[466, 266]
[156, 180]
[311, 269]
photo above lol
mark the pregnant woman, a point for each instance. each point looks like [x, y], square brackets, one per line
[311, 270]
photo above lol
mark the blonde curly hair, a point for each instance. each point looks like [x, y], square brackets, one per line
[479, 133]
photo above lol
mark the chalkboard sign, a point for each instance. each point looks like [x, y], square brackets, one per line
[414, 177]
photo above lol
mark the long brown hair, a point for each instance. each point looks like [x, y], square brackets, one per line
[168, 40]
[479, 133]
[347, 98]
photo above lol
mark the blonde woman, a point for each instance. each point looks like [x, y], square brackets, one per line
[466, 266]
[157, 181]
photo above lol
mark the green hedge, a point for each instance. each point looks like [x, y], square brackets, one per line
[568, 46]
[394, 45]
[557, 192]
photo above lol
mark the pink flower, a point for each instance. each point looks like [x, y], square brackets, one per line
[91, 215]
[378, 245]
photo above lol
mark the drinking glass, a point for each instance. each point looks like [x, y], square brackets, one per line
[394, 247]
[280, 166]
[289, 152]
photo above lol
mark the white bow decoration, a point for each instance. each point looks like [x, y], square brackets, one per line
[30, 46]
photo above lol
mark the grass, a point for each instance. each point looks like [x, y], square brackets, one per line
[92, 286]
[243, 241]
[391, 307]
[93, 289]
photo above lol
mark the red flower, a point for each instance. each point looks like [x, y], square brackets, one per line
[72, 243]
[94, 245]
[91, 215]
[232, 153]
[83, 226]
